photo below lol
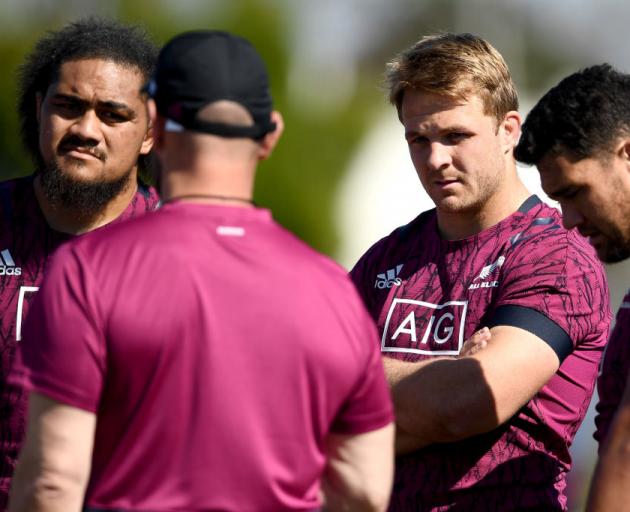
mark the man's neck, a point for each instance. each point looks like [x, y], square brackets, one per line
[464, 224]
[209, 182]
[68, 220]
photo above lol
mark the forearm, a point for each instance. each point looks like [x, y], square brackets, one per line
[54, 466]
[434, 400]
[32, 492]
[407, 443]
[359, 471]
[611, 480]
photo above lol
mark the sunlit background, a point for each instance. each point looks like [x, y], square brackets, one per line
[341, 177]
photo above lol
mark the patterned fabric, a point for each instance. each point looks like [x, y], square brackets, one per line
[614, 372]
[429, 295]
[26, 242]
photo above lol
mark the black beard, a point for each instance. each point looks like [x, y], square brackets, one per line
[616, 251]
[85, 199]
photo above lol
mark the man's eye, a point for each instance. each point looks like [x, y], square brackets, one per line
[113, 117]
[455, 137]
[417, 140]
[67, 107]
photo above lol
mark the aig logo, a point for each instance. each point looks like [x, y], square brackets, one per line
[419, 327]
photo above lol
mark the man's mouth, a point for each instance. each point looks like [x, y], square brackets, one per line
[80, 152]
[446, 182]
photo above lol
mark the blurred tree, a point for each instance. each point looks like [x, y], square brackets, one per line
[299, 181]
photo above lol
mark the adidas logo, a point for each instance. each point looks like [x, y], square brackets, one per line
[389, 278]
[8, 267]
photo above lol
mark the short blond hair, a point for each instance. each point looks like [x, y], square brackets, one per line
[454, 65]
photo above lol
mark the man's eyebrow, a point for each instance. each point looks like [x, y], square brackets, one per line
[110, 104]
[410, 133]
[115, 105]
[69, 97]
[446, 129]
[561, 192]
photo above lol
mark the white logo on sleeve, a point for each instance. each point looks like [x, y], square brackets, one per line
[389, 278]
[7, 266]
[487, 272]
[22, 301]
[419, 327]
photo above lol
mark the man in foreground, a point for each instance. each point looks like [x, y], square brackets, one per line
[578, 135]
[241, 370]
[85, 124]
[491, 431]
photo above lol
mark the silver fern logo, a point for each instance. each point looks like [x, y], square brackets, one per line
[489, 269]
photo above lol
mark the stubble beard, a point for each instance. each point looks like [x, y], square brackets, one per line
[85, 199]
[617, 246]
[616, 249]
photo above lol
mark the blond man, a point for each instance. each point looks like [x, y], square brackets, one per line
[489, 431]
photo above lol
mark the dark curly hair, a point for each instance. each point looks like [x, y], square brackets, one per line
[582, 116]
[83, 39]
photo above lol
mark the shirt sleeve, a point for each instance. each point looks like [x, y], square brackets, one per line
[614, 372]
[359, 276]
[369, 406]
[62, 354]
[556, 288]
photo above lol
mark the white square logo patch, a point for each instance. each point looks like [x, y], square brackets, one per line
[418, 327]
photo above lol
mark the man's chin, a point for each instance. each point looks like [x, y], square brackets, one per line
[613, 253]
[456, 205]
[81, 192]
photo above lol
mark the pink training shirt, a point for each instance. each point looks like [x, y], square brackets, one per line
[218, 351]
[429, 295]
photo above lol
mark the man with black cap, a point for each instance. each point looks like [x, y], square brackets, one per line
[218, 362]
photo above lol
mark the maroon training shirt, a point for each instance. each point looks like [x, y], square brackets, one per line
[429, 295]
[218, 352]
[614, 372]
[26, 242]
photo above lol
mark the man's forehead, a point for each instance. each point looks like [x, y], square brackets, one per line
[559, 169]
[96, 76]
[419, 107]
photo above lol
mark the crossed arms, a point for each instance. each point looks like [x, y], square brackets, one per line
[471, 395]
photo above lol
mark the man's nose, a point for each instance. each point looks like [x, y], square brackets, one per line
[88, 126]
[439, 156]
[571, 216]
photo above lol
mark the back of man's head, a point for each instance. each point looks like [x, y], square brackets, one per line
[454, 65]
[215, 83]
[90, 38]
[583, 116]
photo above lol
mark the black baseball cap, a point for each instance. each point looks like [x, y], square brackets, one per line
[197, 68]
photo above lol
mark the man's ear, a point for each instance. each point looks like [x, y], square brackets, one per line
[510, 130]
[154, 134]
[270, 140]
[623, 149]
